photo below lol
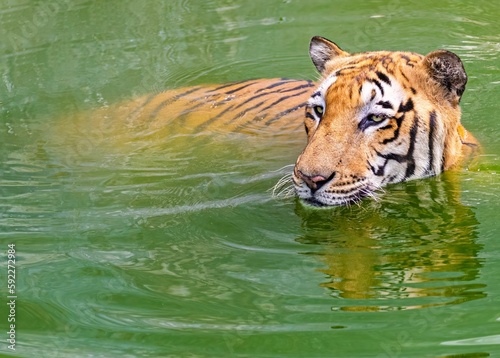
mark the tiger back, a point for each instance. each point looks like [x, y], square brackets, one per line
[229, 107]
[254, 108]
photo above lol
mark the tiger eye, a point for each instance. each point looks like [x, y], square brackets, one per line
[318, 110]
[377, 117]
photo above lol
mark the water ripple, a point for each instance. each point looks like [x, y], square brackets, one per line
[477, 341]
[215, 204]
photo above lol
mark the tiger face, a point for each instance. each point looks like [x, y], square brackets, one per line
[378, 118]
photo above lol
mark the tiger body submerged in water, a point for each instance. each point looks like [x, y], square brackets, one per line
[233, 107]
[374, 118]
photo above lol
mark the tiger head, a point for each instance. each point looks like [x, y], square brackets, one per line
[377, 118]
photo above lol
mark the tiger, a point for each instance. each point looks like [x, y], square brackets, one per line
[373, 118]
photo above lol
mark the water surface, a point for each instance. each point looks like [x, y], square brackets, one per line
[173, 245]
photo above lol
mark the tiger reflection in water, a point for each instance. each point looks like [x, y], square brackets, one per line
[414, 249]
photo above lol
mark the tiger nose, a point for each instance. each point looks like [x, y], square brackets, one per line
[314, 182]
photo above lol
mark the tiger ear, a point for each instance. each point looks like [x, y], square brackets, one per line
[447, 70]
[323, 50]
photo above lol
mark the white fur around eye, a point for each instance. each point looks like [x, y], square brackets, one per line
[314, 104]
[376, 102]
[318, 97]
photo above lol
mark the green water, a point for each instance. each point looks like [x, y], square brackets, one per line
[175, 247]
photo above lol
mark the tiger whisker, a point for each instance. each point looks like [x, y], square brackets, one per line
[283, 192]
[377, 193]
[373, 193]
[290, 192]
[284, 187]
